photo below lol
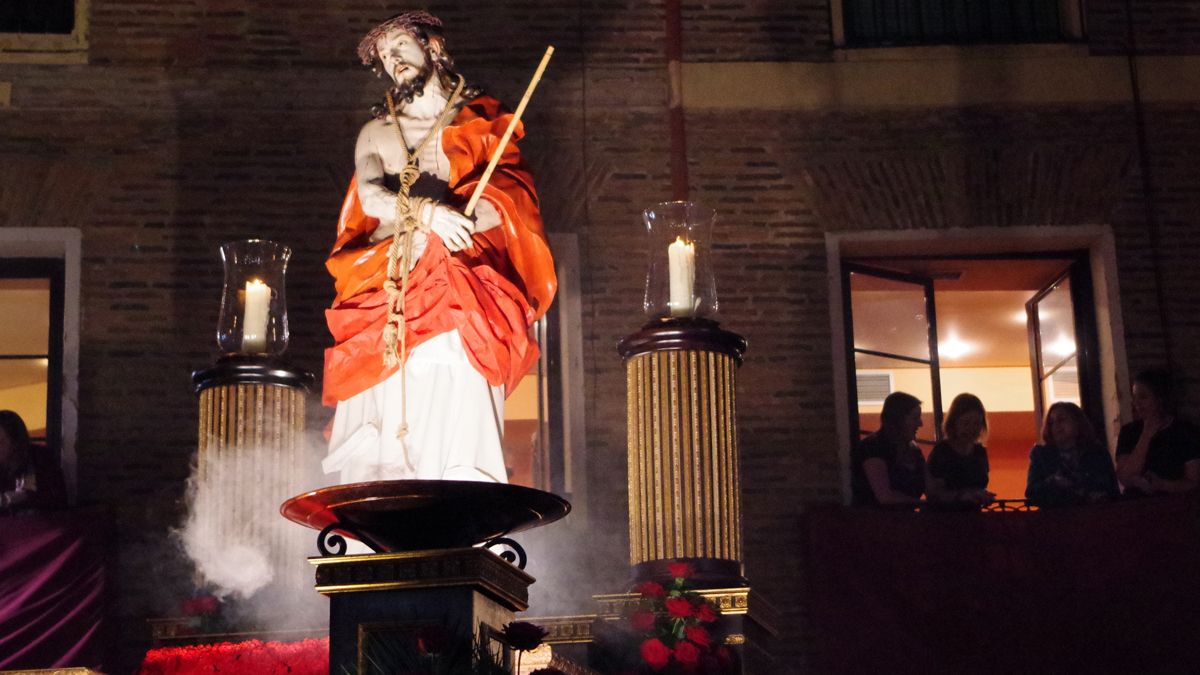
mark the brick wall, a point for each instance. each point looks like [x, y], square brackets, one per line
[1160, 27]
[200, 122]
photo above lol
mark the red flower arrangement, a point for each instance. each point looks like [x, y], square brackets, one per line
[675, 626]
[253, 657]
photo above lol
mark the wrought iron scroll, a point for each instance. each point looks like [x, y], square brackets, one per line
[514, 556]
[328, 538]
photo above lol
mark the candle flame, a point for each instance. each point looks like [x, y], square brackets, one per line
[683, 243]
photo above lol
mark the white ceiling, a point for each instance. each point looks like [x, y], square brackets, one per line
[980, 308]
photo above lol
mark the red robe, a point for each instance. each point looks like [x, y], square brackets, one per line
[491, 293]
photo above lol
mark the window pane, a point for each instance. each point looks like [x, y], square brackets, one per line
[37, 16]
[1056, 326]
[523, 430]
[877, 376]
[899, 22]
[23, 389]
[28, 299]
[889, 316]
[1062, 385]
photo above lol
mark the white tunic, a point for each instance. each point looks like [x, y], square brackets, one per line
[455, 419]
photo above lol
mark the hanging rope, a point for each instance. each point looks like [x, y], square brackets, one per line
[408, 217]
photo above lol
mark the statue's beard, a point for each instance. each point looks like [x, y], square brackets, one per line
[409, 89]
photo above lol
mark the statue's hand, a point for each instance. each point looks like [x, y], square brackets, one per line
[453, 227]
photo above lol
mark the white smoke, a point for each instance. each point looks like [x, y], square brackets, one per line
[240, 544]
[229, 554]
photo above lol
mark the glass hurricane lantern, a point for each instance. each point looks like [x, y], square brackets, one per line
[253, 320]
[679, 276]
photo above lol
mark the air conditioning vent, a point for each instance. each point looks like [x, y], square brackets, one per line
[1064, 385]
[873, 387]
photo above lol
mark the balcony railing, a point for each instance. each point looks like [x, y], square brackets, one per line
[888, 23]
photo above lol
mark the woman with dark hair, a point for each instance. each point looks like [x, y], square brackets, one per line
[958, 464]
[18, 480]
[1157, 452]
[887, 467]
[1071, 466]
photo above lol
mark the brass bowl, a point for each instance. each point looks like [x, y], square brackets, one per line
[416, 515]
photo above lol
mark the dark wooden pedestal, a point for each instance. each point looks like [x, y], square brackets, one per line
[382, 603]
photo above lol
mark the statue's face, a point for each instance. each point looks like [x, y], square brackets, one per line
[403, 58]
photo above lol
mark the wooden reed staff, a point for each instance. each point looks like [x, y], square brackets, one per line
[512, 125]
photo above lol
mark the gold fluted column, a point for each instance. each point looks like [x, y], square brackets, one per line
[684, 490]
[252, 424]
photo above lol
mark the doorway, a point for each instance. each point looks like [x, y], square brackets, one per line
[1015, 329]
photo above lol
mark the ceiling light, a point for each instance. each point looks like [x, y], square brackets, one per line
[1063, 346]
[954, 348]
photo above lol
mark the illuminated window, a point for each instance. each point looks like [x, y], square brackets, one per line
[31, 299]
[543, 418]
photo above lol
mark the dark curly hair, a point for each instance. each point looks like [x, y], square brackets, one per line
[433, 42]
[14, 427]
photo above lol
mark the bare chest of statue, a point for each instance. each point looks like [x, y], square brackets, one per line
[430, 157]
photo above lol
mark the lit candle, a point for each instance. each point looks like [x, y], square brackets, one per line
[681, 264]
[254, 318]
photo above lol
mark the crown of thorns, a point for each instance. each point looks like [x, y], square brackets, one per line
[406, 21]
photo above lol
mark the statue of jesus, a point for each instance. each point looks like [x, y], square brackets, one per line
[433, 307]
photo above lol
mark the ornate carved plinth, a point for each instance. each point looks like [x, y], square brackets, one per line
[684, 491]
[380, 604]
[252, 424]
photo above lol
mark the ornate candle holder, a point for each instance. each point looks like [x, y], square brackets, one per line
[684, 476]
[252, 404]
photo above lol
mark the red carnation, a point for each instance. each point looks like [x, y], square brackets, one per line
[642, 621]
[680, 570]
[698, 635]
[706, 613]
[523, 636]
[655, 653]
[687, 653]
[651, 590]
[207, 604]
[679, 608]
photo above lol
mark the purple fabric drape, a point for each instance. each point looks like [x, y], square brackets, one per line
[1103, 588]
[52, 594]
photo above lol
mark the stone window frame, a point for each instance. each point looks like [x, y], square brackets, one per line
[64, 243]
[1099, 242]
[38, 48]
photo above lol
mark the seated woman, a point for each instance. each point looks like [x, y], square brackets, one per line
[886, 467]
[1158, 452]
[1071, 466]
[958, 464]
[23, 487]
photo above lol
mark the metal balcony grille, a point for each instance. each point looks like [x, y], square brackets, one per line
[885, 23]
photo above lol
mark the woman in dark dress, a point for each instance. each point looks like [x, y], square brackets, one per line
[18, 480]
[1157, 452]
[958, 464]
[1071, 466]
[887, 468]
